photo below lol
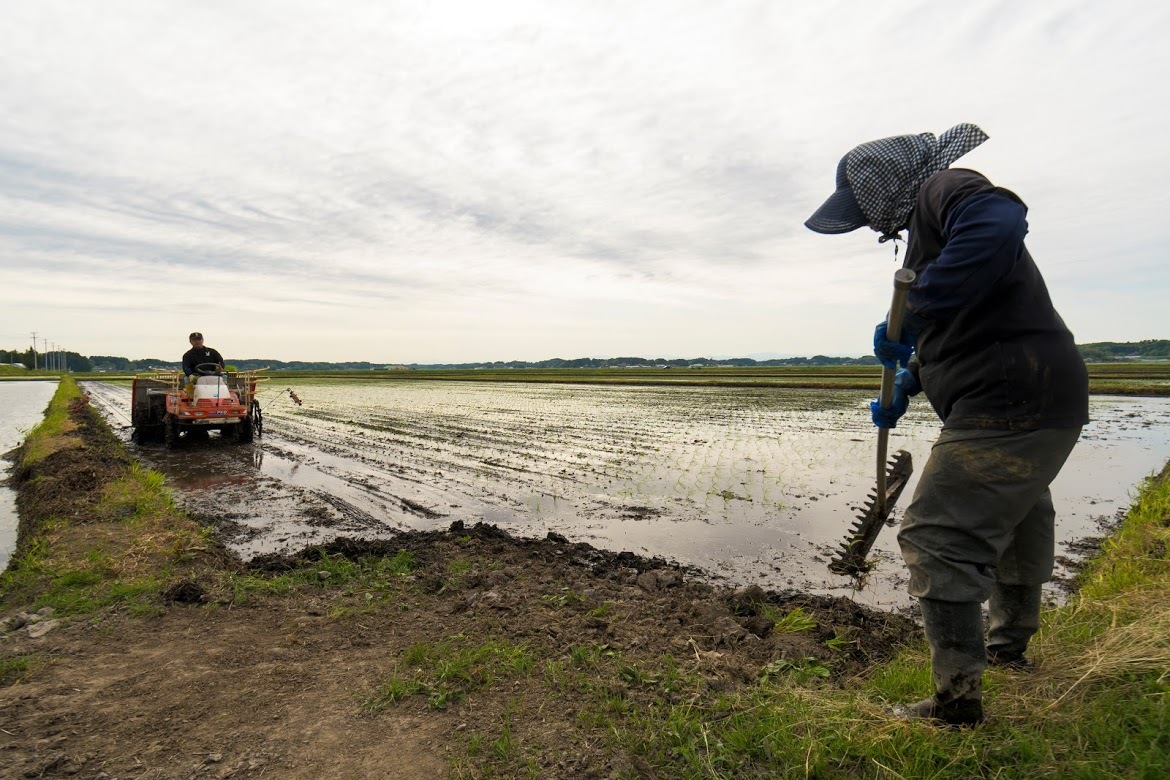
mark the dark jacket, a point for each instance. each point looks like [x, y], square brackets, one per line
[992, 350]
[197, 356]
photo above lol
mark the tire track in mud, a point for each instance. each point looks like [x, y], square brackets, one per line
[277, 495]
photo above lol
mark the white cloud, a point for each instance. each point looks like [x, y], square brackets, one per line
[467, 181]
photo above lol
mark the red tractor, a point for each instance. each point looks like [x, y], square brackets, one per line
[167, 410]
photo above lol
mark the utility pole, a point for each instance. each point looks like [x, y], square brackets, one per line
[34, 335]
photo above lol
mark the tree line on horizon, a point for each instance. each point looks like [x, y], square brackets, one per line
[1097, 352]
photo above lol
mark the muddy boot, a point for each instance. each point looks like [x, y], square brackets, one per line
[957, 660]
[1015, 617]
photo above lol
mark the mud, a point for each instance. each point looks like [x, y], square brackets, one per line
[69, 481]
[752, 485]
[219, 686]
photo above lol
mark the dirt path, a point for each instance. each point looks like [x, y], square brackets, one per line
[282, 687]
[210, 693]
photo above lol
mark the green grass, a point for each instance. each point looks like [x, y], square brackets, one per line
[51, 433]
[794, 622]
[447, 671]
[374, 579]
[12, 669]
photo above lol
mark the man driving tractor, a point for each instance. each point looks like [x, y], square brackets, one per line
[198, 356]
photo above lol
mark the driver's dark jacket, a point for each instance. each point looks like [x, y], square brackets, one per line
[992, 352]
[198, 356]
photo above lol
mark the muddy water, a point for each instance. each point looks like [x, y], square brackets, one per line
[754, 485]
[24, 406]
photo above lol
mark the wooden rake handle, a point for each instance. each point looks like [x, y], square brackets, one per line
[903, 281]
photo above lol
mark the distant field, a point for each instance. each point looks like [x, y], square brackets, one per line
[1104, 378]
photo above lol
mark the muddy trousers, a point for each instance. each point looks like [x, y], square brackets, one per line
[980, 528]
[982, 513]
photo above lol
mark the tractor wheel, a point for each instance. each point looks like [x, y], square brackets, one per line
[244, 431]
[171, 432]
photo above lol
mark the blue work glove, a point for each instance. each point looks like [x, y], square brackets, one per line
[905, 386]
[891, 353]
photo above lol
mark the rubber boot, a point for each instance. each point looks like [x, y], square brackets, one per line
[957, 660]
[1015, 618]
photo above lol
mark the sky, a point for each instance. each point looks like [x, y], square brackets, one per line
[433, 181]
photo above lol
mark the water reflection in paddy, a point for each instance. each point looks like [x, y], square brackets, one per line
[24, 405]
[755, 484]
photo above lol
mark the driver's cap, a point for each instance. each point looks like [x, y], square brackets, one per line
[195, 335]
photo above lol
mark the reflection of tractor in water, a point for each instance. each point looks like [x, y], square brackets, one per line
[164, 409]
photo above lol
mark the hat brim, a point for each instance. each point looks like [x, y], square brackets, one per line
[839, 214]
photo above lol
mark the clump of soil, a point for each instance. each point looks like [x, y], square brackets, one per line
[228, 678]
[665, 607]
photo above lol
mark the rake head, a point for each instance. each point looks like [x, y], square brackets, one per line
[850, 559]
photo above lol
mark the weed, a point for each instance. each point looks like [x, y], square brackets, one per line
[13, 669]
[795, 622]
[563, 598]
[839, 642]
[504, 746]
[585, 656]
[367, 576]
[447, 671]
[801, 671]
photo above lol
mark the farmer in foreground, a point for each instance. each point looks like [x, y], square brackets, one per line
[1003, 373]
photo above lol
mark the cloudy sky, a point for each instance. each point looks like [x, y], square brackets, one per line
[464, 181]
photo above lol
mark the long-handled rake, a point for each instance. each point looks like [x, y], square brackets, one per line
[891, 477]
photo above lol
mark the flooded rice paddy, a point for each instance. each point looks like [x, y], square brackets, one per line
[750, 484]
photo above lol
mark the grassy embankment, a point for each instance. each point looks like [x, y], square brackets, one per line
[107, 534]
[1096, 708]
[1104, 378]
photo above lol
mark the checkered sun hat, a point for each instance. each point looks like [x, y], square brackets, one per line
[878, 181]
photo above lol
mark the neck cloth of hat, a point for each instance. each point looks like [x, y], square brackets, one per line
[885, 175]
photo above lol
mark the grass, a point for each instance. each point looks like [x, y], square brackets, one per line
[55, 431]
[14, 668]
[794, 622]
[447, 671]
[374, 580]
